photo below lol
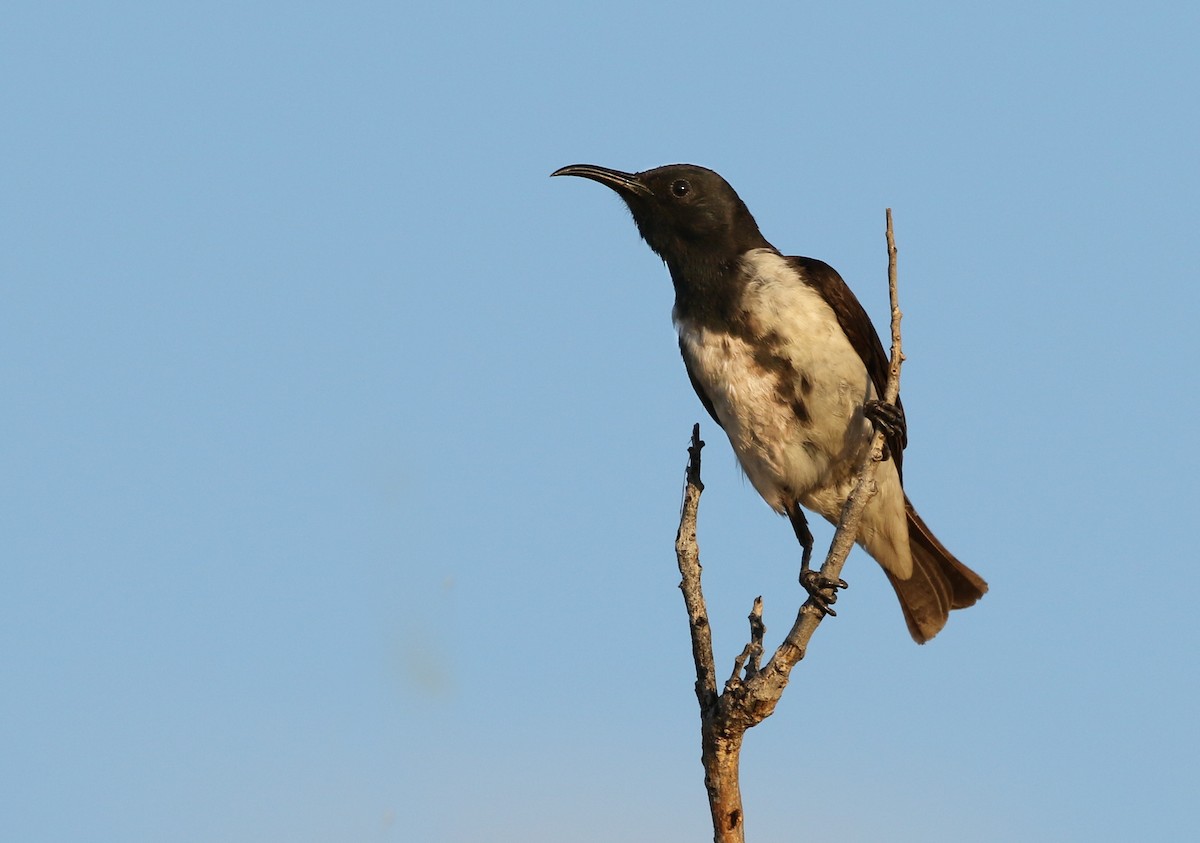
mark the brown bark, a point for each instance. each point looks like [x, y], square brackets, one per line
[752, 691]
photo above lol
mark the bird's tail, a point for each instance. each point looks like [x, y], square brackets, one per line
[939, 582]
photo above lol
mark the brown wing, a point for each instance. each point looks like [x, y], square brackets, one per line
[857, 327]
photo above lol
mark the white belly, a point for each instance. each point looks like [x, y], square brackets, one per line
[789, 390]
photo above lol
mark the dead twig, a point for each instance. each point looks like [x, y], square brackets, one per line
[752, 692]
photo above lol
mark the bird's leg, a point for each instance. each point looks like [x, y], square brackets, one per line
[822, 589]
[889, 420]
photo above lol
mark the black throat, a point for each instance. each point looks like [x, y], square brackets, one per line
[707, 271]
[709, 293]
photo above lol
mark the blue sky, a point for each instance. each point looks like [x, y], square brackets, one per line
[342, 448]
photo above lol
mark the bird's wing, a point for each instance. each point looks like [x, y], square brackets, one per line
[857, 327]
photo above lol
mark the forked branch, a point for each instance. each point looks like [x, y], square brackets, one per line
[752, 692]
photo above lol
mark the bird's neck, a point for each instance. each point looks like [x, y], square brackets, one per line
[709, 289]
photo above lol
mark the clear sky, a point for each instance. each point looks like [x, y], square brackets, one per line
[341, 448]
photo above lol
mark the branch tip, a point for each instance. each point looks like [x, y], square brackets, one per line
[750, 700]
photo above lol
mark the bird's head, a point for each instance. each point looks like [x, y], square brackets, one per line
[685, 213]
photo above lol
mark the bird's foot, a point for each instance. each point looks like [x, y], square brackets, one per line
[822, 589]
[889, 420]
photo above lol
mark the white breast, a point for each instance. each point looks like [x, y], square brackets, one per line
[785, 456]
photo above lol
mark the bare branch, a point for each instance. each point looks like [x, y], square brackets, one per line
[757, 630]
[753, 650]
[775, 675]
[687, 554]
[747, 701]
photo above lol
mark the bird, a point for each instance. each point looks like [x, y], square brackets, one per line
[787, 362]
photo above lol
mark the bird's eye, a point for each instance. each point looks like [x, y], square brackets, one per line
[680, 187]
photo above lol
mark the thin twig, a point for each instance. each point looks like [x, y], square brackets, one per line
[758, 629]
[687, 554]
[751, 654]
[748, 701]
[809, 618]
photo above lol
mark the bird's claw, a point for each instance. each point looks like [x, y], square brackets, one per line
[822, 589]
[888, 420]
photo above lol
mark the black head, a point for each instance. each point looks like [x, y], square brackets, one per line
[687, 214]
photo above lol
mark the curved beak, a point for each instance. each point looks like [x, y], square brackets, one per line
[623, 183]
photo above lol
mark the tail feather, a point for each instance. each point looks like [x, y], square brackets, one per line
[939, 582]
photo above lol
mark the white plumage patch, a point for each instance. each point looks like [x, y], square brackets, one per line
[809, 456]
